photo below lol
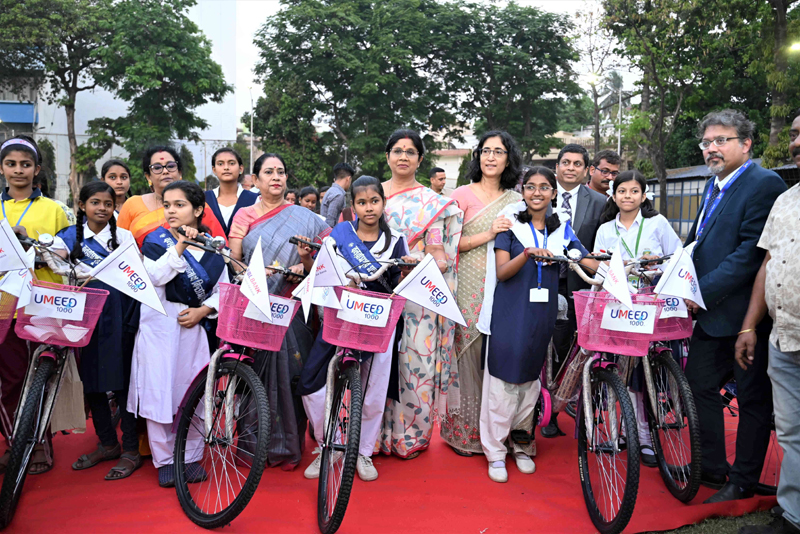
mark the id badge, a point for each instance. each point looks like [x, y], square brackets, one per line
[540, 294]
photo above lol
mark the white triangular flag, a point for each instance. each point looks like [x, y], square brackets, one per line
[616, 282]
[254, 283]
[426, 286]
[12, 255]
[306, 293]
[18, 283]
[320, 296]
[124, 271]
[680, 279]
[328, 270]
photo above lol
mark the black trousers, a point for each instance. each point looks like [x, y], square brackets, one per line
[565, 330]
[101, 417]
[711, 360]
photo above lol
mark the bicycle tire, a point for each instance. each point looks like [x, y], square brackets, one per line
[344, 424]
[603, 380]
[683, 478]
[23, 442]
[230, 451]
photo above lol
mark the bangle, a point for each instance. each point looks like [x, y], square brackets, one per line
[469, 242]
[746, 331]
[443, 261]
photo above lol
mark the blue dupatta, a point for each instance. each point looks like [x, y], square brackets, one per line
[93, 252]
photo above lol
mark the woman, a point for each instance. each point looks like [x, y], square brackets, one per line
[227, 199]
[308, 198]
[117, 174]
[432, 224]
[274, 220]
[493, 174]
[143, 214]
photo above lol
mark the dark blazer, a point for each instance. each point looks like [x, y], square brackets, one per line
[726, 257]
[247, 198]
[585, 223]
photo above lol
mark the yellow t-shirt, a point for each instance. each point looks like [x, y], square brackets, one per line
[43, 216]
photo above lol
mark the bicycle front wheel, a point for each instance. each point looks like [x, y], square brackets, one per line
[675, 428]
[339, 450]
[24, 441]
[607, 459]
[217, 474]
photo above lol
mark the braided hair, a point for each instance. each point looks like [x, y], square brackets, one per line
[87, 192]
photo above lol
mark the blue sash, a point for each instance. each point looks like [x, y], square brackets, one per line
[93, 252]
[352, 249]
[192, 286]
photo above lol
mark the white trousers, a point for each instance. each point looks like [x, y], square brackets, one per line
[162, 444]
[374, 397]
[505, 407]
[638, 400]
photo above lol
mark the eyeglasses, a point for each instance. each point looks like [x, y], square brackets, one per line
[606, 172]
[157, 168]
[532, 188]
[270, 172]
[719, 141]
[496, 151]
[398, 152]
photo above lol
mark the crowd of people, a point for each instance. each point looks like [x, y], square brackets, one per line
[480, 381]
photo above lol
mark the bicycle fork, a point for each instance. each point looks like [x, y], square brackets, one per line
[211, 396]
[588, 412]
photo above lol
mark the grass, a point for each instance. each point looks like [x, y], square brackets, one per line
[725, 525]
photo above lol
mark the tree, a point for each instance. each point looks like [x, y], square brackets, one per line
[187, 162]
[578, 113]
[59, 40]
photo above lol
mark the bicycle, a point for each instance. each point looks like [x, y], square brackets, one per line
[60, 340]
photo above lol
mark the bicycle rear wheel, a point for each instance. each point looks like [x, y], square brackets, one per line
[339, 450]
[24, 441]
[608, 461]
[675, 428]
[216, 477]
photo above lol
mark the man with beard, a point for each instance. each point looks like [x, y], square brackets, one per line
[604, 168]
[723, 241]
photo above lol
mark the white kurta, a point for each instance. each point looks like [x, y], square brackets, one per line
[166, 356]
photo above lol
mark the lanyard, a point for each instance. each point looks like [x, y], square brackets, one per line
[708, 210]
[632, 255]
[536, 242]
[3, 203]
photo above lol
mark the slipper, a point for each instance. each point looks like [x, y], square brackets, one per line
[411, 456]
[465, 454]
[133, 462]
[166, 476]
[39, 458]
[195, 473]
[85, 462]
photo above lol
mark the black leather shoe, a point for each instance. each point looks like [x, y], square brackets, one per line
[729, 492]
[648, 456]
[779, 525]
[710, 480]
[552, 430]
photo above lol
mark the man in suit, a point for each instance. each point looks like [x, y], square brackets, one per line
[736, 203]
[582, 207]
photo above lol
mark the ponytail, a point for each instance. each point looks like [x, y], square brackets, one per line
[113, 244]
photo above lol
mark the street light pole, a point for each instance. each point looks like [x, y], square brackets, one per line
[251, 129]
[619, 120]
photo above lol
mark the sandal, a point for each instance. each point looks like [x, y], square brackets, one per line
[39, 463]
[411, 456]
[465, 454]
[101, 454]
[166, 476]
[128, 463]
[649, 457]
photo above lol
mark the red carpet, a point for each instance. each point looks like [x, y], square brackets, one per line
[438, 492]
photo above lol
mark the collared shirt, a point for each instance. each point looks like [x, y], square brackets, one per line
[719, 183]
[103, 239]
[227, 211]
[573, 202]
[333, 204]
[780, 238]
[658, 237]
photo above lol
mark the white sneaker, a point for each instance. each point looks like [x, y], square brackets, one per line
[524, 463]
[312, 471]
[366, 470]
[497, 472]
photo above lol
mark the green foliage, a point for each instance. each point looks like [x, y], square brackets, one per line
[48, 152]
[187, 162]
[462, 171]
[242, 147]
[576, 114]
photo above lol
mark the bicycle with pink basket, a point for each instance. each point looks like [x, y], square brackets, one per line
[62, 318]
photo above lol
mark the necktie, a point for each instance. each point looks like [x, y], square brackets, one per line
[562, 268]
[711, 199]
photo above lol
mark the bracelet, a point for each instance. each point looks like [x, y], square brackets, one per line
[469, 242]
[445, 261]
[746, 331]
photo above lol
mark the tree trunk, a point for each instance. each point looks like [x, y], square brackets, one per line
[779, 100]
[660, 168]
[644, 107]
[74, 179]
[595, 97]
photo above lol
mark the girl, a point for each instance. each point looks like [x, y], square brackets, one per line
[170, 351]
[523, 319]
[230, 196]
[291, 196]
[29, 214]
[105, 361]
[632, 227]
[371, 234]
[116, 173]
[308, 198]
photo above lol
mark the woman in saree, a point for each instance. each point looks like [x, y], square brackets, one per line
[493, 173]
[431, 224]
[274, 220]
[144, 213]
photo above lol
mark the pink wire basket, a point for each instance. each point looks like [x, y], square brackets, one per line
[354, 336]
[589, 307]
[234, 327]
[671, 328]
[63, 332]
[8, 305]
